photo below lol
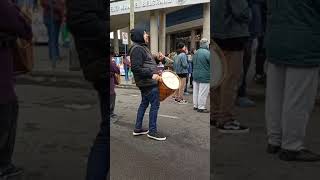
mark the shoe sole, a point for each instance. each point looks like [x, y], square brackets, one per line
[155, 138]
[234, 131]
[138, 134]
[9, 176]
[296, 160]
[203, 111]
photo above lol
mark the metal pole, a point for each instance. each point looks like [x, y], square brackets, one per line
[131, 19]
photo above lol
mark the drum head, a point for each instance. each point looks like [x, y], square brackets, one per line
[218, 65]
[171, 80]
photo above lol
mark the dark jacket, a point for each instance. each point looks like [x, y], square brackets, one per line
[293, 32]
[143, 64]
[201, 66]
[88, 23]
[230, 23]
[10, 22]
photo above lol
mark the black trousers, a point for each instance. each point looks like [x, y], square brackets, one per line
[242, 92]
[99, 158]
[8, 128]
[260, 57]
[112, 103]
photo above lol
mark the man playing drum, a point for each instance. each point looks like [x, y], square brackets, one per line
[144, 68]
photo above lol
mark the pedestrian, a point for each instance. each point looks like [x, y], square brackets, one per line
[230, 27]
[144, 68]
[292, 76]
[256, 29]
[87, 21]
[186, 93]
[126, 66]
[53, 15]
[114, 72]
[201, 77]
[260, 76]
[12, 26]
[180, 66]
[193, 51]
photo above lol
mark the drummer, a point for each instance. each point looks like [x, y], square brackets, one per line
[144, 68]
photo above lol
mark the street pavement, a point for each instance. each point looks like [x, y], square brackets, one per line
[184, 155]
[244, 157]
[57, 127]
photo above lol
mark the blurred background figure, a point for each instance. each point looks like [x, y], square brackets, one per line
[12, 26]
[53, 16]
[201, 80]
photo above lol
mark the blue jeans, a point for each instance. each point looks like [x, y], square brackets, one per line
[126, 72]
[149, 97]
[99, 158]
[53, 29]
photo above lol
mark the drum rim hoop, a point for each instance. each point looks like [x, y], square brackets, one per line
[218, 50]
[175, 75]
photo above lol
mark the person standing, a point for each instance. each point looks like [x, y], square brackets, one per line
[180, 66]
[126, 67]
[260, 76]
[292, 44]
[201, 77]
[193, 51]
[87, 21]
[144, 68]
[53, 15]
[114, 70]
[12, 26]
[230, 29]
[256, 29]
[189, 72]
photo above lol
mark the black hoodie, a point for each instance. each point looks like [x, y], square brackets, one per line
[143, 65]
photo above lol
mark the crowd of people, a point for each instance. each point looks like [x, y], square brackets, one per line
[192, 67]
[287, 39]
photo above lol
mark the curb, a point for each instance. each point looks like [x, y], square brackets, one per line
[69, 81]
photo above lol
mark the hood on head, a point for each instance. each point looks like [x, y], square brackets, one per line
[137, 35]
[204, 43]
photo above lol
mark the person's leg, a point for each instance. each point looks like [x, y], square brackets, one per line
[230, 85]
[126, 72]
[186, 86]
[181, 89]
[8, 126]
[300, 94]
[142, 109]
[203, 94]
[48, 24]
[155, 104]
[99, 157]
[274, 103]
[112, 103]
[195, 94]
[246, 65]
[260, 57]
[57, 27]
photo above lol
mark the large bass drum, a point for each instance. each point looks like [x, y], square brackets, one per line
[219, 66]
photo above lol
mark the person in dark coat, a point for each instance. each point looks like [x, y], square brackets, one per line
[292, 44]
[257, 30]
[88, 23]
[12, 26]
[144, 68]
